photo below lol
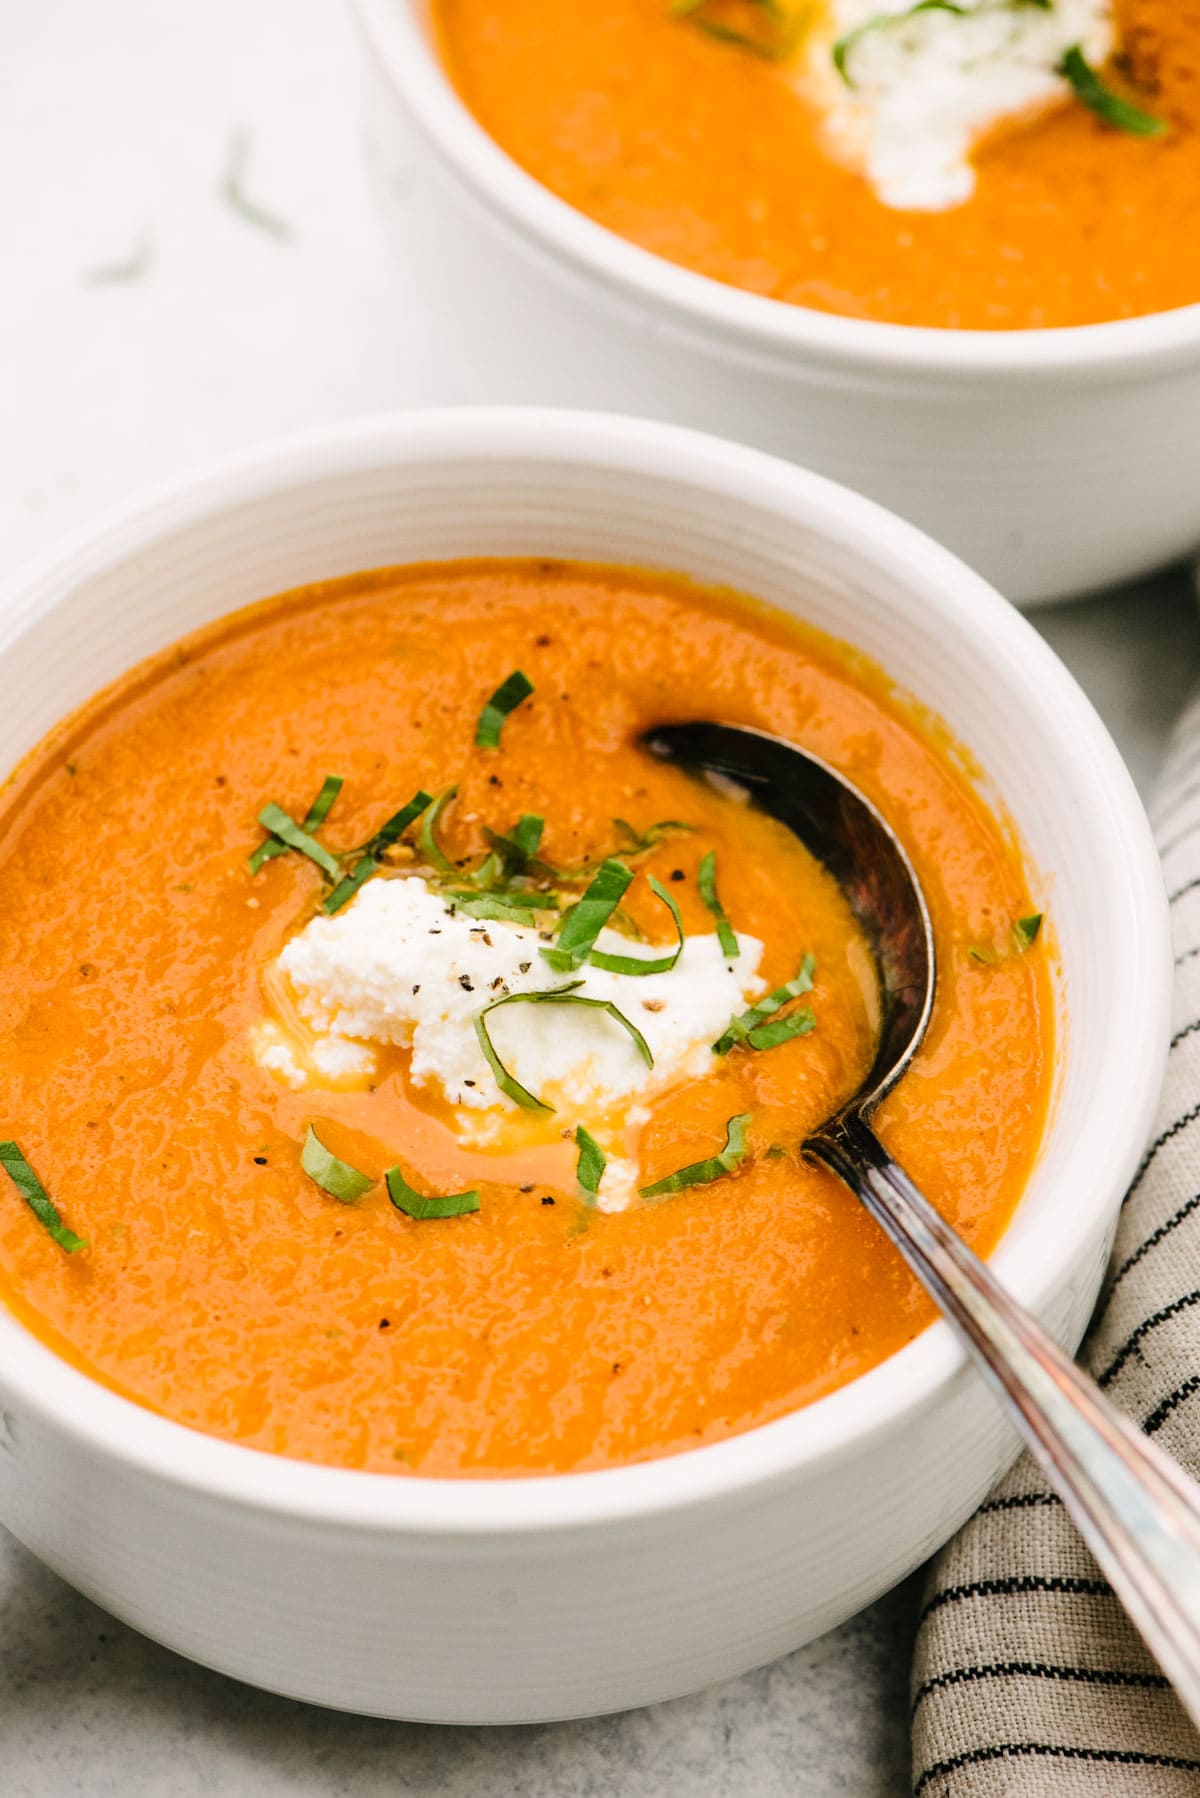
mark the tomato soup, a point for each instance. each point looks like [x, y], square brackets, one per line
[996, 166]
[401, 1069]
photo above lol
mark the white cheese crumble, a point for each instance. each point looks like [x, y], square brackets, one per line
[924, 90]
[399, 967]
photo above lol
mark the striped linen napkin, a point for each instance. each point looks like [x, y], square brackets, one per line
[1028, 1681]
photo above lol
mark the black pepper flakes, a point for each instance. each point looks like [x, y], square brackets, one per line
[385, 1323]
[260, 1161]
[464, 980]
[678, 874]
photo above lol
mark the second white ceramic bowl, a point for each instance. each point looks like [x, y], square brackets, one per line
[1053, 461]
[513, 1600]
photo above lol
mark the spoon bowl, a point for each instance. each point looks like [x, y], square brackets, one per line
[1134, 1507]
[840, 827]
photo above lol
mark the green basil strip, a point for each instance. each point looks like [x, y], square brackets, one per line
[500, 908]
[1093, 93]
[738, 1029]
[398, 823]
[782, 1030]
[632, 964]
[427, 841]
[505, 699]
[881, 22]
[415, 1204]
[337, 1178]
[703, 1173]
[38, 1199]
[561, 995]
[640, 842]
[346, 888]
[514, 854]
[706, 879]
[692, 11]
[387, 834]
[277, 823]
[584, 922]
[589, 1170]
[1026, 930]
[318, 811]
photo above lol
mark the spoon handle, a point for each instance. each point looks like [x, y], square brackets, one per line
[1134, 1507]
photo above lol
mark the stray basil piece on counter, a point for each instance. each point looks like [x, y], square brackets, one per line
[748, 1024]
[703, 1173]
[1099, 98]
[507, 697]
[419, 1205]
[589, 1169]
[337, 1178]
[706, 879]
[38, 1199]
[561, 995]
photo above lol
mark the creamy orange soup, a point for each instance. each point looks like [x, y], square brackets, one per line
[726, 160]
[160, 1076]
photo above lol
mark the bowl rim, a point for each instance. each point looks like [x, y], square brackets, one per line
[902, 1388]
[750, 324]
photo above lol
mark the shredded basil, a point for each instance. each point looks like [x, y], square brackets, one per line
[640, 842]
[505, 699]
[782, 1030]
[420, 1206]
[368, 864]
[317, 813]
[787, 28]
[589, 1170]
[560, 995]
[633, 964]
[337, 1178]
[38, 1199]
[398, 823]
[882, 22]
[427, 841]
[584, 922]
[1026, 930]
[1099, 98]
[346, 888]
[703, 1173]
[741, 1028]
[503, 908]
[706, 879]
[277, 823]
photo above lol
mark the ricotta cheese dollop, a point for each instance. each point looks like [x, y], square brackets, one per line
[401, 967]
[921, 85]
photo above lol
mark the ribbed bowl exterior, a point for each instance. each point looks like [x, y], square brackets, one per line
[519, 1600]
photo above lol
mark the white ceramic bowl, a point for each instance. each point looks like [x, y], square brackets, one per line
[497, 1601]
[1053, 461]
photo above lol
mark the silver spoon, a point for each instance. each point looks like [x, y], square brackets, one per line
[1134, 1507]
